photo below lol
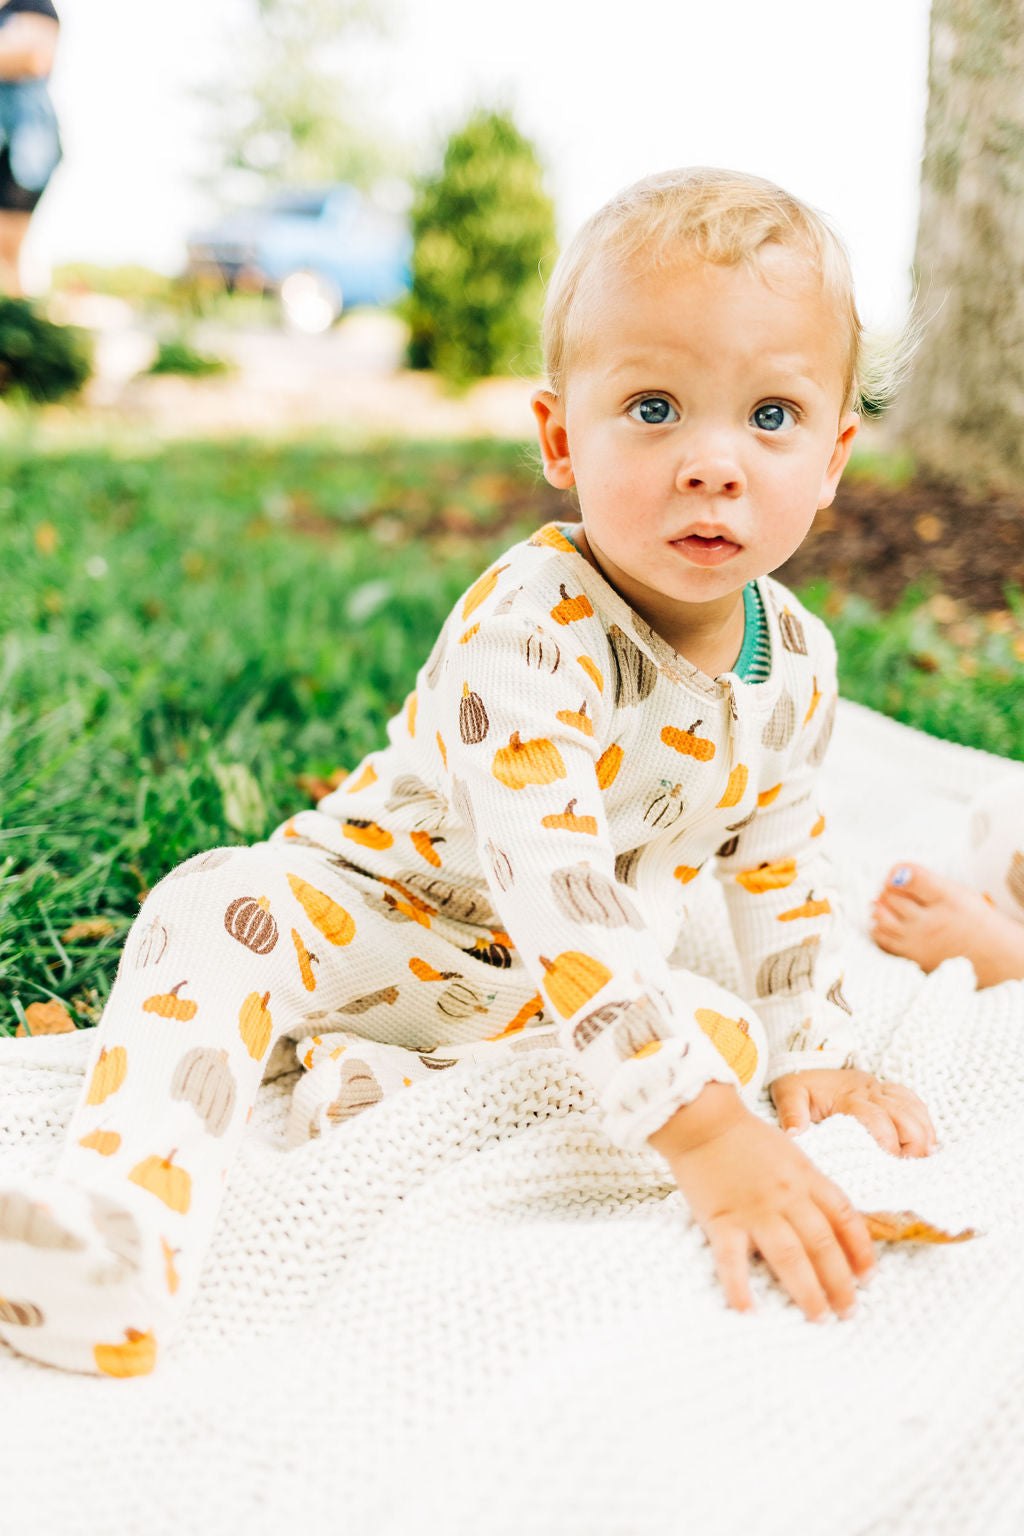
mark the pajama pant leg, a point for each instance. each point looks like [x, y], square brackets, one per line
[996, 845]
[230, 951]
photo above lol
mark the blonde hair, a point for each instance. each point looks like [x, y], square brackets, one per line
[725, 217]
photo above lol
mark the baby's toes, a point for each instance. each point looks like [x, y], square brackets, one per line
[919, 884]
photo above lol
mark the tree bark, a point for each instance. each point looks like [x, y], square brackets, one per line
[962, 412]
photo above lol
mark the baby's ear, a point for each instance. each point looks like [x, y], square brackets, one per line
[848, 425]
[554, 440]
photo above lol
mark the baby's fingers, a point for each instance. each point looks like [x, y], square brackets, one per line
[879, 1122]
[912, 1121]
[786, 1255]
[792, 1102]
[731, 1250]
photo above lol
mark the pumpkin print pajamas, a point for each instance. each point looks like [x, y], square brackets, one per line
[520, 855]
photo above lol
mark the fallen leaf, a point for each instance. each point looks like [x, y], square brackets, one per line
[46, 1019]
[315, 787]
[88, 928]
[928, 528]
[909, 1227]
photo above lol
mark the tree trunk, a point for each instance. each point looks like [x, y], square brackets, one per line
[962, 413]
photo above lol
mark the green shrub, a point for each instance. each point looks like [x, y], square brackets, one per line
[481, 229]
[39, 360]
[179, 356]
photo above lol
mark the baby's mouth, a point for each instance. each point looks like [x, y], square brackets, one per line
[707, 549]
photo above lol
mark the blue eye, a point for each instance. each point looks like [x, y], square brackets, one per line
[772, 418]
[654, 411]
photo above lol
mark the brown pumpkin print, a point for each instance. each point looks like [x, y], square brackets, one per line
[530, 1009]
[367, 834]
[473, 721]
[637, 1033]
[584, 895]
[24, 1221]
[106, 1143]
[306, 961]
[729, 848]
[108, 1074]
[248, 919]
[462, 805]
[418, 803]
[781, 724]
[386, 995]
[689, 743]
[552, 536]
[542, 653]
[625, 865]
[201, 861]
[571, 609]
[816, 756]
[789, 971]
[135, 1357]
[507, 603]
[608, 765]
[635, 672]
[358, 1090]
[152, 943]
[501, 866]
[578, 719]
[1015, 878]
[592, 670]
[587, 1029]
[163, 1178]
[568, 821]
[460, 1000]
[665, 809]
[168, 1005]
[731, 1039]
[792, 632]
[20, 1314]
[481, 590]
[809, 908]
[491, 952]
[255, 1024]
[767, 877]
[461, 902]
[835, 995]
[424, 845]
[736, 788]
[326, 915]
[528, 762]
[203, 1079]
[572, 979]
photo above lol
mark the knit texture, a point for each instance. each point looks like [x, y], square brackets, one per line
[467, 1311]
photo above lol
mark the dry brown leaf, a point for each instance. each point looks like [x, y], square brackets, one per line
[88, 928]
[46, 1019]
[909, 1227]
[316, 788]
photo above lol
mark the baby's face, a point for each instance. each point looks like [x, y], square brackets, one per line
[702, 424]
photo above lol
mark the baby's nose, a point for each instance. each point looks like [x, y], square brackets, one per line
[712, 475]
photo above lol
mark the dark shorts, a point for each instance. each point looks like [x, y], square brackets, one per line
[14, 198]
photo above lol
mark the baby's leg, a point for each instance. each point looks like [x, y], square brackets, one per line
[928, 917]
[98, 1261]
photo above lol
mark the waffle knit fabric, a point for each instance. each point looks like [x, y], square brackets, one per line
[467, 1311]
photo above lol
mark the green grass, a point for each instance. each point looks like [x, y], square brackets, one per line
[187, 632]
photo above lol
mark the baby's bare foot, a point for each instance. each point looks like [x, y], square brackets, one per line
[928, 918]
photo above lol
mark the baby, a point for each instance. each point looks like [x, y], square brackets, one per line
[613, 705]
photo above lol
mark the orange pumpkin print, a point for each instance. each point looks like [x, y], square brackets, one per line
[731, 1039]
[424, 845]
[168, 1005]
[105, 1143]
[255, 1024]
[108, 1074]
[592, 671]
[577, 718]
[470, 632]
[568, 820]
[684, 873]
[528, 762]
[135, 1357]
[608, 765]
[410, 714]
[426, 972]
[808, 908]
[819, 827]
[816, 698]
[767, 877]
[306, 961]
[443, 750]
[570, 609]
[367, 834]
[689, 743]
[572, 979]
[767, 796]
[163, 1178]
[530, 1009]
[736, 788]
[363, 780]
[481, 590]
[552, 536]
[326, 915]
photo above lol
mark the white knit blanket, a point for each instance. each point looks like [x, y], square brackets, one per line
[464, 1311]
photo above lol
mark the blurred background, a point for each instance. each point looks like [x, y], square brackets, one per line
[269, 298]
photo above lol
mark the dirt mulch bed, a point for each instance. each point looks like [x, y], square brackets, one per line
[878, 540]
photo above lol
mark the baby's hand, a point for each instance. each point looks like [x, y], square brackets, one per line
[750, 1188]
[893, 1114]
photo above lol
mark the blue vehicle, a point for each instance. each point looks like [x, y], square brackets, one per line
[321, 249]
